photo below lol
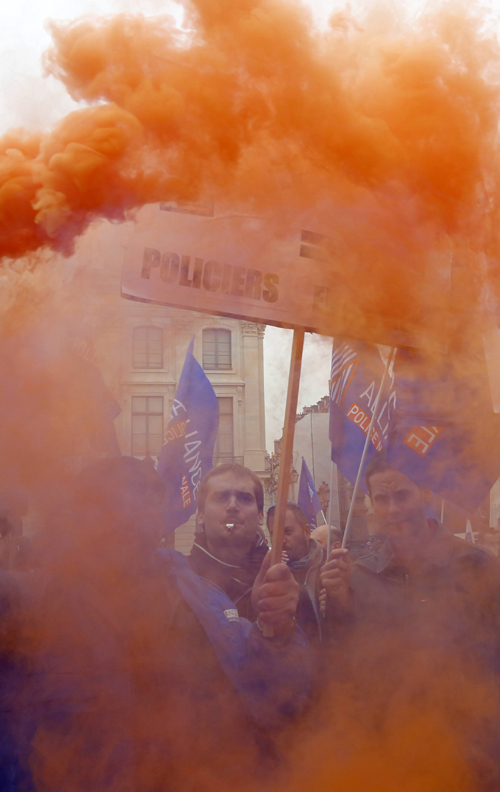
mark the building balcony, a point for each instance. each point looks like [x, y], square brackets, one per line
[226, 459]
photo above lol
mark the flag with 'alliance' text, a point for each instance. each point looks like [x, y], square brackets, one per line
[357, 370]
[444, 434]
[187, 453]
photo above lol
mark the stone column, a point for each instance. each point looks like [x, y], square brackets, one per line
[253, 405]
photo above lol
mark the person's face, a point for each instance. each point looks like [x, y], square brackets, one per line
[230, 499]
[321, 536]
[296, 538]
[398, 502]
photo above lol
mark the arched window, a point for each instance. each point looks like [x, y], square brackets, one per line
[217, 349]
[147, 348]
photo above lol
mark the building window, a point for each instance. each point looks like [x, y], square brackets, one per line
[224, 445]
[217, 349]
[148, 348]
[147, 425]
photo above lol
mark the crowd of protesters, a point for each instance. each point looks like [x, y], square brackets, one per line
[128, 667]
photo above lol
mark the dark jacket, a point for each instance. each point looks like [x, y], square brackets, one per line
[306, 572]
[272, 679]
[163, 683]
[453, 603]
[14, 772]
[235, 580]
[427, 642]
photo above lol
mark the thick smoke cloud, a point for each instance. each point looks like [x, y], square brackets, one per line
[388, 134]
[388, 131]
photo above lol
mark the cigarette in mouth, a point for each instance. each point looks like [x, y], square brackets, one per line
[229, 527]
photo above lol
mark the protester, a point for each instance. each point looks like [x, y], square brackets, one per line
[320, 534]
[304, 558]
[419, 566]
[229, 548]
[146, 678]
[423, 594]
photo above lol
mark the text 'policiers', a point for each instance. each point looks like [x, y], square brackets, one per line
[212, 275]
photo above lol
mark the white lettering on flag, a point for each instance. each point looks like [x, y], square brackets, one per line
[344, 364]
[370, 394]
[176, 406]
[362, 419]
[421, 438]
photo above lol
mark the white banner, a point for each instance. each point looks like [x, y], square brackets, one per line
[250, 267]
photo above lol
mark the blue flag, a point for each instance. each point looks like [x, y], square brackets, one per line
[357, 371]
[308, 499]
[444, 434]
[187, 454]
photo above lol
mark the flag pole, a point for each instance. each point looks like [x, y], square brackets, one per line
[390, 359]
[329, 535]
[286, 454]
[333, 518]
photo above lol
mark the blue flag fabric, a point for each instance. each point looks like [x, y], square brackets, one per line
[357, 371]
[308, 499]
[435, 419]
[187, 454]
[444, 434]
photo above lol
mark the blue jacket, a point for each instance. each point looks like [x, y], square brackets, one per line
[273, 680]
[96, 691]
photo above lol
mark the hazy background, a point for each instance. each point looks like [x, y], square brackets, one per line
[31, 100]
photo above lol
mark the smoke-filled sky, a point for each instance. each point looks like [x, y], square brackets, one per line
[36, 101]
[387, 128]
[431, 200]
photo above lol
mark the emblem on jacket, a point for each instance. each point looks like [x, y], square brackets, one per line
[231, 614]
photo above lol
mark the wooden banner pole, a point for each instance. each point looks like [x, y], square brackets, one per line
[286, 453]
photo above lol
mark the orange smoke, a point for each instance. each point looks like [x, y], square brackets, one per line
[387, 134]
[395, 125]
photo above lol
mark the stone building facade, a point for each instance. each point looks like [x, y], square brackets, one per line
[140, 350]
[152, 346]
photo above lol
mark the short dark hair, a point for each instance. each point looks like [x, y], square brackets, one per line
[377, 464]
[299, 514]
[237, 470]
[293, 507]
